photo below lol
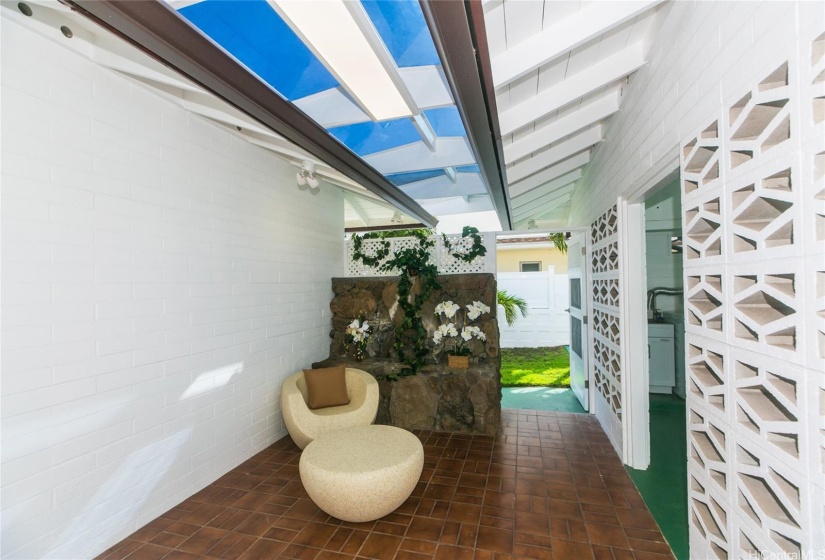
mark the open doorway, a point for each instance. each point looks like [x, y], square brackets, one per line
[663, 484]
[532, 267]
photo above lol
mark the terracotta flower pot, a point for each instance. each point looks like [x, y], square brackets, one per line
[459, 362]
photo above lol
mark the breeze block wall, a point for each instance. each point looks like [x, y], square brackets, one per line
[733, 94]
[752, 181]
[160, 277]
[607, 353]
[438, 397]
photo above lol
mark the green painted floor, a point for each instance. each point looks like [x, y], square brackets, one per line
[540, 398]
[664, 484]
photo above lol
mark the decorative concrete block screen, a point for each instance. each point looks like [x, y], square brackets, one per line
[755, 310]
[447, 264]
[604, 270]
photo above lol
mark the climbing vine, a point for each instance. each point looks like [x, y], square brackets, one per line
[477, 249]
[369, 260]
[415, 271]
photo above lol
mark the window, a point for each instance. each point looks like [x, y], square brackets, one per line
[533, 266]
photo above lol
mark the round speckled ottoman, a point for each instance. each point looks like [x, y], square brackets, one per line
[361, 473]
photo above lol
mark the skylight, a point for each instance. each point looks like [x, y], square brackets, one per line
[369, 73]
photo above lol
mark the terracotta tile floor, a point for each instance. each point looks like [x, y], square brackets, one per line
[548, 486]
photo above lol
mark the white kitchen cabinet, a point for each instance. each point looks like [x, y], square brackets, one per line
[662, 358]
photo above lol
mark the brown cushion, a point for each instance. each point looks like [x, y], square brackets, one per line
[326, 387]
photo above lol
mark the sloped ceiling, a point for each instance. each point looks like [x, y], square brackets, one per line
[559, 70]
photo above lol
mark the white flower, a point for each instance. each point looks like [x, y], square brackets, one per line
[358, 331]
[442, 331]
[447, 308]
[475, 309]
[468, 333]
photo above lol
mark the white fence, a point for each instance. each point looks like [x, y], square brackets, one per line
[547, 323]
[447, 264]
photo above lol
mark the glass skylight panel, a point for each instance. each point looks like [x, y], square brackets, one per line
[271, 39]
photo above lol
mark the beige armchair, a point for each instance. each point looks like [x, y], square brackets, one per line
[305, 425]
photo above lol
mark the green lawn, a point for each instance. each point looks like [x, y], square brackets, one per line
[535, 367]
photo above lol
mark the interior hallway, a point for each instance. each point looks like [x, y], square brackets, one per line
[549, 486]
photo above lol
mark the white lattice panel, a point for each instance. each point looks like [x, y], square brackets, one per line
[448, 264]
[444, 260]
[607, 362]
[754, 228]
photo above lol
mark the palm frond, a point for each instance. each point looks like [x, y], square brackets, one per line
[511, 303]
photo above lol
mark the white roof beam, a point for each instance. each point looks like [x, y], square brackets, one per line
[542, 177]
[565, 126]
[574, 145]
[212, 108]
[457, 205]
[548, 189]
[438, 187]
[562, 37]
[180, 4]
[450, 151]
[543, 210]
[554, 218]
[602, 73]
[542, 214]
[425, 130]
[358, 209]
[451, 173]
[558, 199]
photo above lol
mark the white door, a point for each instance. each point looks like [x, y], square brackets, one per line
[577, 267]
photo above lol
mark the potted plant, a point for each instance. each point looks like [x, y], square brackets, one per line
[356, 336]
[456, 325]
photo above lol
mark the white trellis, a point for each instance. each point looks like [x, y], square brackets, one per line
[446, 263]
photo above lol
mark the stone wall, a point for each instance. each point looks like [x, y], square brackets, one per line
[438, 397]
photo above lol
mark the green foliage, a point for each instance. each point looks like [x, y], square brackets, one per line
[560, 241]
[414, 266]
[511, 303]
[477, 249]
[535, 367]
[384, 247]
[411, 336]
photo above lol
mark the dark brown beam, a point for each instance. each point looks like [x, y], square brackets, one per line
[460, 38]
[156, 29]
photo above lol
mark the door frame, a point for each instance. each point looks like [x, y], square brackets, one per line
[587, 296]
[633, 310]
[586, 342]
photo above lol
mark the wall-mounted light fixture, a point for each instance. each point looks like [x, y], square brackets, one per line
[396, 218]
[532, 224]
[306, 176]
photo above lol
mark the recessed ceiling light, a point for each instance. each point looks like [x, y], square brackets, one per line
[25, 9]
[66, 32]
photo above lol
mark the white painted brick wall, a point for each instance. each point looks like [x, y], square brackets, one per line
[702, 58]
[160, 278]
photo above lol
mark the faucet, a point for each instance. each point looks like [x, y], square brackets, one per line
[651, 299]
